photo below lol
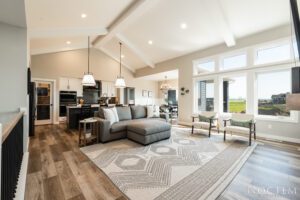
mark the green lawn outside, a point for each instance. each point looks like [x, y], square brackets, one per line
[237, 106]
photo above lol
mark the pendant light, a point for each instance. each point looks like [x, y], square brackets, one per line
[165, 86]
[88, 79]
[120, 82]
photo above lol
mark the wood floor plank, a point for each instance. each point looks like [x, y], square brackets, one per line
[48, 166]
[69, 184]
[79, 197]
[34, 162]
[53, 189]
[34, 185]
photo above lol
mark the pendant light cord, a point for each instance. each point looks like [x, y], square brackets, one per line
[120, 58]
[88, 54]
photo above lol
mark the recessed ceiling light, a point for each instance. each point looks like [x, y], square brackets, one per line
[68, 42]
[150, 42]
[183, 26]
[83, 15]
[122, 56]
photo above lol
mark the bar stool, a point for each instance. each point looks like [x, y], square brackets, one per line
[88, 131]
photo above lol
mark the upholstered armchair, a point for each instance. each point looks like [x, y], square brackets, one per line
[241, 124]
[206, 120]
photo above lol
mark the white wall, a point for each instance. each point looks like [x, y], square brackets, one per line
[280, 130]
[13, 72]
[13, 67]
[74, 64]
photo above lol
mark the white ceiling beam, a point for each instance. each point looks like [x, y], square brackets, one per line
[131, 13]
[219, 19]
[135, 50]
[116, 59]
[64, 32]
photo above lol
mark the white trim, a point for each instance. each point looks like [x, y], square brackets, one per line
[278, 138]
[54, 107]
[20, 191]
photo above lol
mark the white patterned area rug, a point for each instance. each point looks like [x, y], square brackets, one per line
[184, 167]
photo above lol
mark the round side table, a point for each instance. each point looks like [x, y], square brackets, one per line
[88, 131]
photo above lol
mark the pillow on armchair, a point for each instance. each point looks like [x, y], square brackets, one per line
[240, 123]
[206, 117]
[203, 118]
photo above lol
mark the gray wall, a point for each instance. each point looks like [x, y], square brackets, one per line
[13, 72]
[13, 67]
[74, 64]
[290, 131]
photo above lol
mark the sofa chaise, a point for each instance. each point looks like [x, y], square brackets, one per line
[134, 125]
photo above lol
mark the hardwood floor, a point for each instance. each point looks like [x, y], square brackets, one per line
[58, 170]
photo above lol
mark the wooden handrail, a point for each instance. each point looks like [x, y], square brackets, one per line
[9, 121]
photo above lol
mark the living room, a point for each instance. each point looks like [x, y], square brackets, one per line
[149, 99]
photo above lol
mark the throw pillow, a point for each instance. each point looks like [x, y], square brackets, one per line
[111, 115]
[204, 119]
[240, 123]
[152, 111]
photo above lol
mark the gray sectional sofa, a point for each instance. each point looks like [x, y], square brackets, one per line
[134, 125]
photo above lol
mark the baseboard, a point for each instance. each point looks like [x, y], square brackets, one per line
[260, 135]
[20, 192]
[278, 138]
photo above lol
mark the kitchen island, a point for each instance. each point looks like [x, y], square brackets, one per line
[73, 115]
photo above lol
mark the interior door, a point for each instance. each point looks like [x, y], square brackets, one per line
[44, 104]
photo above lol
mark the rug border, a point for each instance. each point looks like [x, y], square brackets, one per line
[220, 186]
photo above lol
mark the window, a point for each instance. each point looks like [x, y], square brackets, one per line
[272, 89]
[235, 61]
[205, 67]
[234, 94]
[205, 95]
[295, 49]
[273, 54]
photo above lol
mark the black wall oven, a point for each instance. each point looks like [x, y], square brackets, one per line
[66, 98]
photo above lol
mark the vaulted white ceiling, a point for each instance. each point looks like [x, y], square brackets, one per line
[134, 22]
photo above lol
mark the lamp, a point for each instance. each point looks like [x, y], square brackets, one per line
[88, 79]
[165, 86]
[120, 82]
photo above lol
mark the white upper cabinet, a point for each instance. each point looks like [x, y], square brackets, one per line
[108, 89]
[71, 84]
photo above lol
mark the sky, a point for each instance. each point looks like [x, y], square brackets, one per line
[273, 83]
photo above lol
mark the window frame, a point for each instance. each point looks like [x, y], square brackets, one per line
[270, 45]
[228, 75]
[293, 114]
[233, 54]
[196, 91]
[205, 60]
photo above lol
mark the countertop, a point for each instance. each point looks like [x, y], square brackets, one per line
[79, 106]
[9, 121]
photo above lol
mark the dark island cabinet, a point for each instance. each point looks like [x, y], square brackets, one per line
[73, 116]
